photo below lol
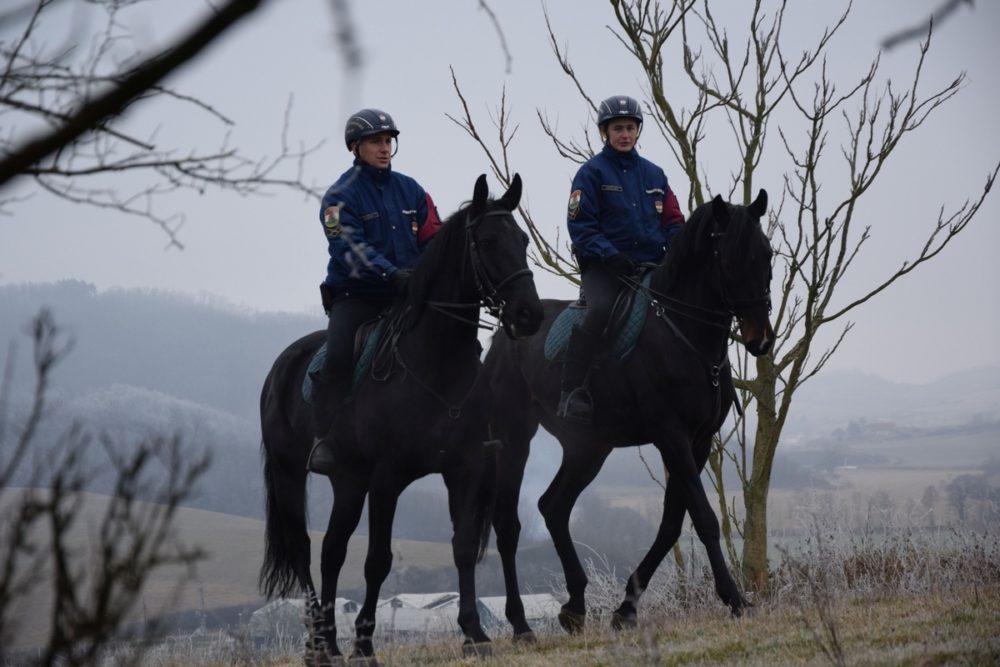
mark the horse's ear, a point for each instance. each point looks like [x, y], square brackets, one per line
[759, 206]
[720, 211]
[511, 198]
[480, 193]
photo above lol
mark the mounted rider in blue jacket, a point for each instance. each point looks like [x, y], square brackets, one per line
[621, 212]
[376, 222]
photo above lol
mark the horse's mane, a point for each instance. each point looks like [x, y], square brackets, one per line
[692, 246]
[446, 246]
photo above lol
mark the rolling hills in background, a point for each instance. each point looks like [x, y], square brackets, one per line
[146, 363]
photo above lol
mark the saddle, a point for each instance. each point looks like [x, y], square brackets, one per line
[367, 341]
[627, 318]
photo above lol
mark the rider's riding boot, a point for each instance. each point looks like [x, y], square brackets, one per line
[575, 401]
[328, 396]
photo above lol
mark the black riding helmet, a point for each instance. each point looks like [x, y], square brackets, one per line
[619, 106]
[366, 123]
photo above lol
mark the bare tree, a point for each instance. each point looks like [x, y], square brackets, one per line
[764, 98]
[69, 115]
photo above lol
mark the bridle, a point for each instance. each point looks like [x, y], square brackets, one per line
[489, 298]
[661, 303]
[488, 290]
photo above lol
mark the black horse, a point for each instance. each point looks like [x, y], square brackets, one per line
[420, 409]
[673, 390]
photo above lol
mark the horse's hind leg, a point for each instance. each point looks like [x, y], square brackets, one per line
[670, 529]
[349, 490]
[580, 466]
[383, 494]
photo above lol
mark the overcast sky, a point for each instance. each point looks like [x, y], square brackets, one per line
[270, 254]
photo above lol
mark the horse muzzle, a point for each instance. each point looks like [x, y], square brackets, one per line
[522, 318]
[758, 335]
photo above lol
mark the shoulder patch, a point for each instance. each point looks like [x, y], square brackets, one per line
[574, 204]
[331, 221]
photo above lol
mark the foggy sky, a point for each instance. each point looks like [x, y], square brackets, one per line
[270, 254]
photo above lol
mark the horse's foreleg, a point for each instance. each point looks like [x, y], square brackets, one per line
[671, 523]
[556, 504]
[510, 473]
[683, 467]
[465, 549]
[348, 503]
[383, 494]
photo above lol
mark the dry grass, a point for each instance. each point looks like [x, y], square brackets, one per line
[954, 628]
[908, 598]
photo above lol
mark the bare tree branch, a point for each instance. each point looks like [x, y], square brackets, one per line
[131, 85]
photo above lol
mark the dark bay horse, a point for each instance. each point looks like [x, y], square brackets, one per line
[673, 390]
[422, 408]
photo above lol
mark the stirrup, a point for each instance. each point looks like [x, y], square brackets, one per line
[321, 459]
[576, 405]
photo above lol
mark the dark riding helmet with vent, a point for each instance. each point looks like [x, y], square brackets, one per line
[619, 106]
[366, 123]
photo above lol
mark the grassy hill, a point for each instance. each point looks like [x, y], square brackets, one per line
[954, 628]
[227, 577]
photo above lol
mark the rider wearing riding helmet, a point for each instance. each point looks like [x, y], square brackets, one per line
[376, 222]
[621, 213]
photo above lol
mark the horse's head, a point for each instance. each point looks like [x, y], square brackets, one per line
[742, 253]
[498, 252]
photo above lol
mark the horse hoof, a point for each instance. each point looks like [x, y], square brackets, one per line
[477, 649]
[525, 637]
[358, 660]
[320, 658]
[621, 621]
[739, 606]
[571, 621]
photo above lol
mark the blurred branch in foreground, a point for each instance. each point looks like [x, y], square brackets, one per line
[92, 591]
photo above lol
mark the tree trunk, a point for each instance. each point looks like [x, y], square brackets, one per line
[756, 571]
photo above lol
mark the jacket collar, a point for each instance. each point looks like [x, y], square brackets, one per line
[618, 157]
[380, 176]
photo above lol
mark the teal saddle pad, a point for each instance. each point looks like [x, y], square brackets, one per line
[361, 367]
[555, 342]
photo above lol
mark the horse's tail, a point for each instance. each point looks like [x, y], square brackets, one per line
[486, 498]
[287, 544]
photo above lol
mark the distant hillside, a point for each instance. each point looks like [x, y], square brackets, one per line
[228, 576]
[208, 353]
[833, 399]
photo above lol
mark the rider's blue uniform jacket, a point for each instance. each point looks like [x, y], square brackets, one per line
[376, 221]
[621, 203]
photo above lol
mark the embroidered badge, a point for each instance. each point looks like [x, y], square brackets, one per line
[331, 221]
[574, 204]
[611, 188]
[659, 207]
[412, 213]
